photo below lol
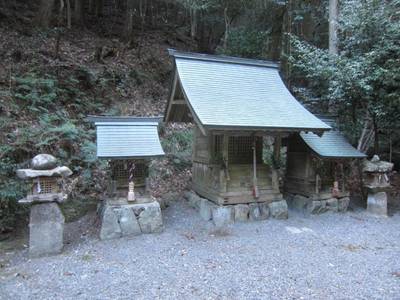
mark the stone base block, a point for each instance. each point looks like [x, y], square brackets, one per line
[343, 204]
[225, 215]
[241, 212]
[222, 215]
[318, 206]
[205, 209]
[279, 209]
[377, 203]
[333, 204]
[46, 229]
[130, 219]
[299, 202]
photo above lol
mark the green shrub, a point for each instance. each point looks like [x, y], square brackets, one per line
[178, 145]
[245, 42]
[46, 115]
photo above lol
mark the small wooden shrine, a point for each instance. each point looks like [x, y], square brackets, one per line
[129, 143]
[317, 165]
[235, 103]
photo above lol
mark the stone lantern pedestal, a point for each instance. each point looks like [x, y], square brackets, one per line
[46, 229]
[377, 183]
[46, 224]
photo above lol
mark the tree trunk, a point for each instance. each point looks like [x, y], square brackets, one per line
[45, 12]
[68, 14]
[92, 6]
[142, 13]
[78, 11]
[130, 10]
[99, 8]
[333, 21]
[367, 135]
[193, 23]
[59, 30]
[227, 28]
[376, 135]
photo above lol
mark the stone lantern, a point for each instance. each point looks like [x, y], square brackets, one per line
[376, 180]
[46, 225]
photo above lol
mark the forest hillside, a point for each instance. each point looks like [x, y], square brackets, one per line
[61, 61]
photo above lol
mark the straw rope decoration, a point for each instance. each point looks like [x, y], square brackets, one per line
[131, 192]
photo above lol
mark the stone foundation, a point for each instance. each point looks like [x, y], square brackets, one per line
[46, 229]
[377, 203]
[314, 206]
[228, 214]
[120, 219]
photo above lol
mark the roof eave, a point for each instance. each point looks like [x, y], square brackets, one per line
[265, 128]
[132, 157]
[123, 119]
[339, 157]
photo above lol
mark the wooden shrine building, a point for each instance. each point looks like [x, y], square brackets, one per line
[129, 143]
[235, 104]
[316, 165]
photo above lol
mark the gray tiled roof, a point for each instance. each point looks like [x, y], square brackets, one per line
[127, 137]
[331, 145]
[225, 92]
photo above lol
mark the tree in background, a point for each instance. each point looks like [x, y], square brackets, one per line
[44, 14]
[333, 19]
[363, 80]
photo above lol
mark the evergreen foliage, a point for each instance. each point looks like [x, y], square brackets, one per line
[363, 81]
[53, 122]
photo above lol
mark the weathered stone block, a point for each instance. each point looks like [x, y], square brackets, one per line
[46, 229]
[186, 195]
[343, 204]
[254, 212]
[57, 171]
[324, 207]
[264, 210]
[205, 209]
[194, 200]
[43, 162]
[332, 204]
[150, 218]
[300, 202]
[279, 209]
[128, 222]
[130, 219]
[110, 228]
[377, 203]
[222, 215]
[317, 207]
[241, 212]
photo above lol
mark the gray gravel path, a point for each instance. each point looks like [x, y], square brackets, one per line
[331, 256]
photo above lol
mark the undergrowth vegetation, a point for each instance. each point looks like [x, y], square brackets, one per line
[50, 113]
[45, 100]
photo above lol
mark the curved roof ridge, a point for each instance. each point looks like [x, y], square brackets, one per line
[223, 59]
[241, 96]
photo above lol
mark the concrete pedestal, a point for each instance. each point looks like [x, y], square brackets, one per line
[46, 229]
[120, 219]
[377, 203]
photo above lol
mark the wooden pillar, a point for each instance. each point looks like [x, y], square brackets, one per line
[225, 157]
[255, 184]
[276, 156]
[277, 148]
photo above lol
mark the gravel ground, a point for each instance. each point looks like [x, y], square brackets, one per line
[331, 256]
